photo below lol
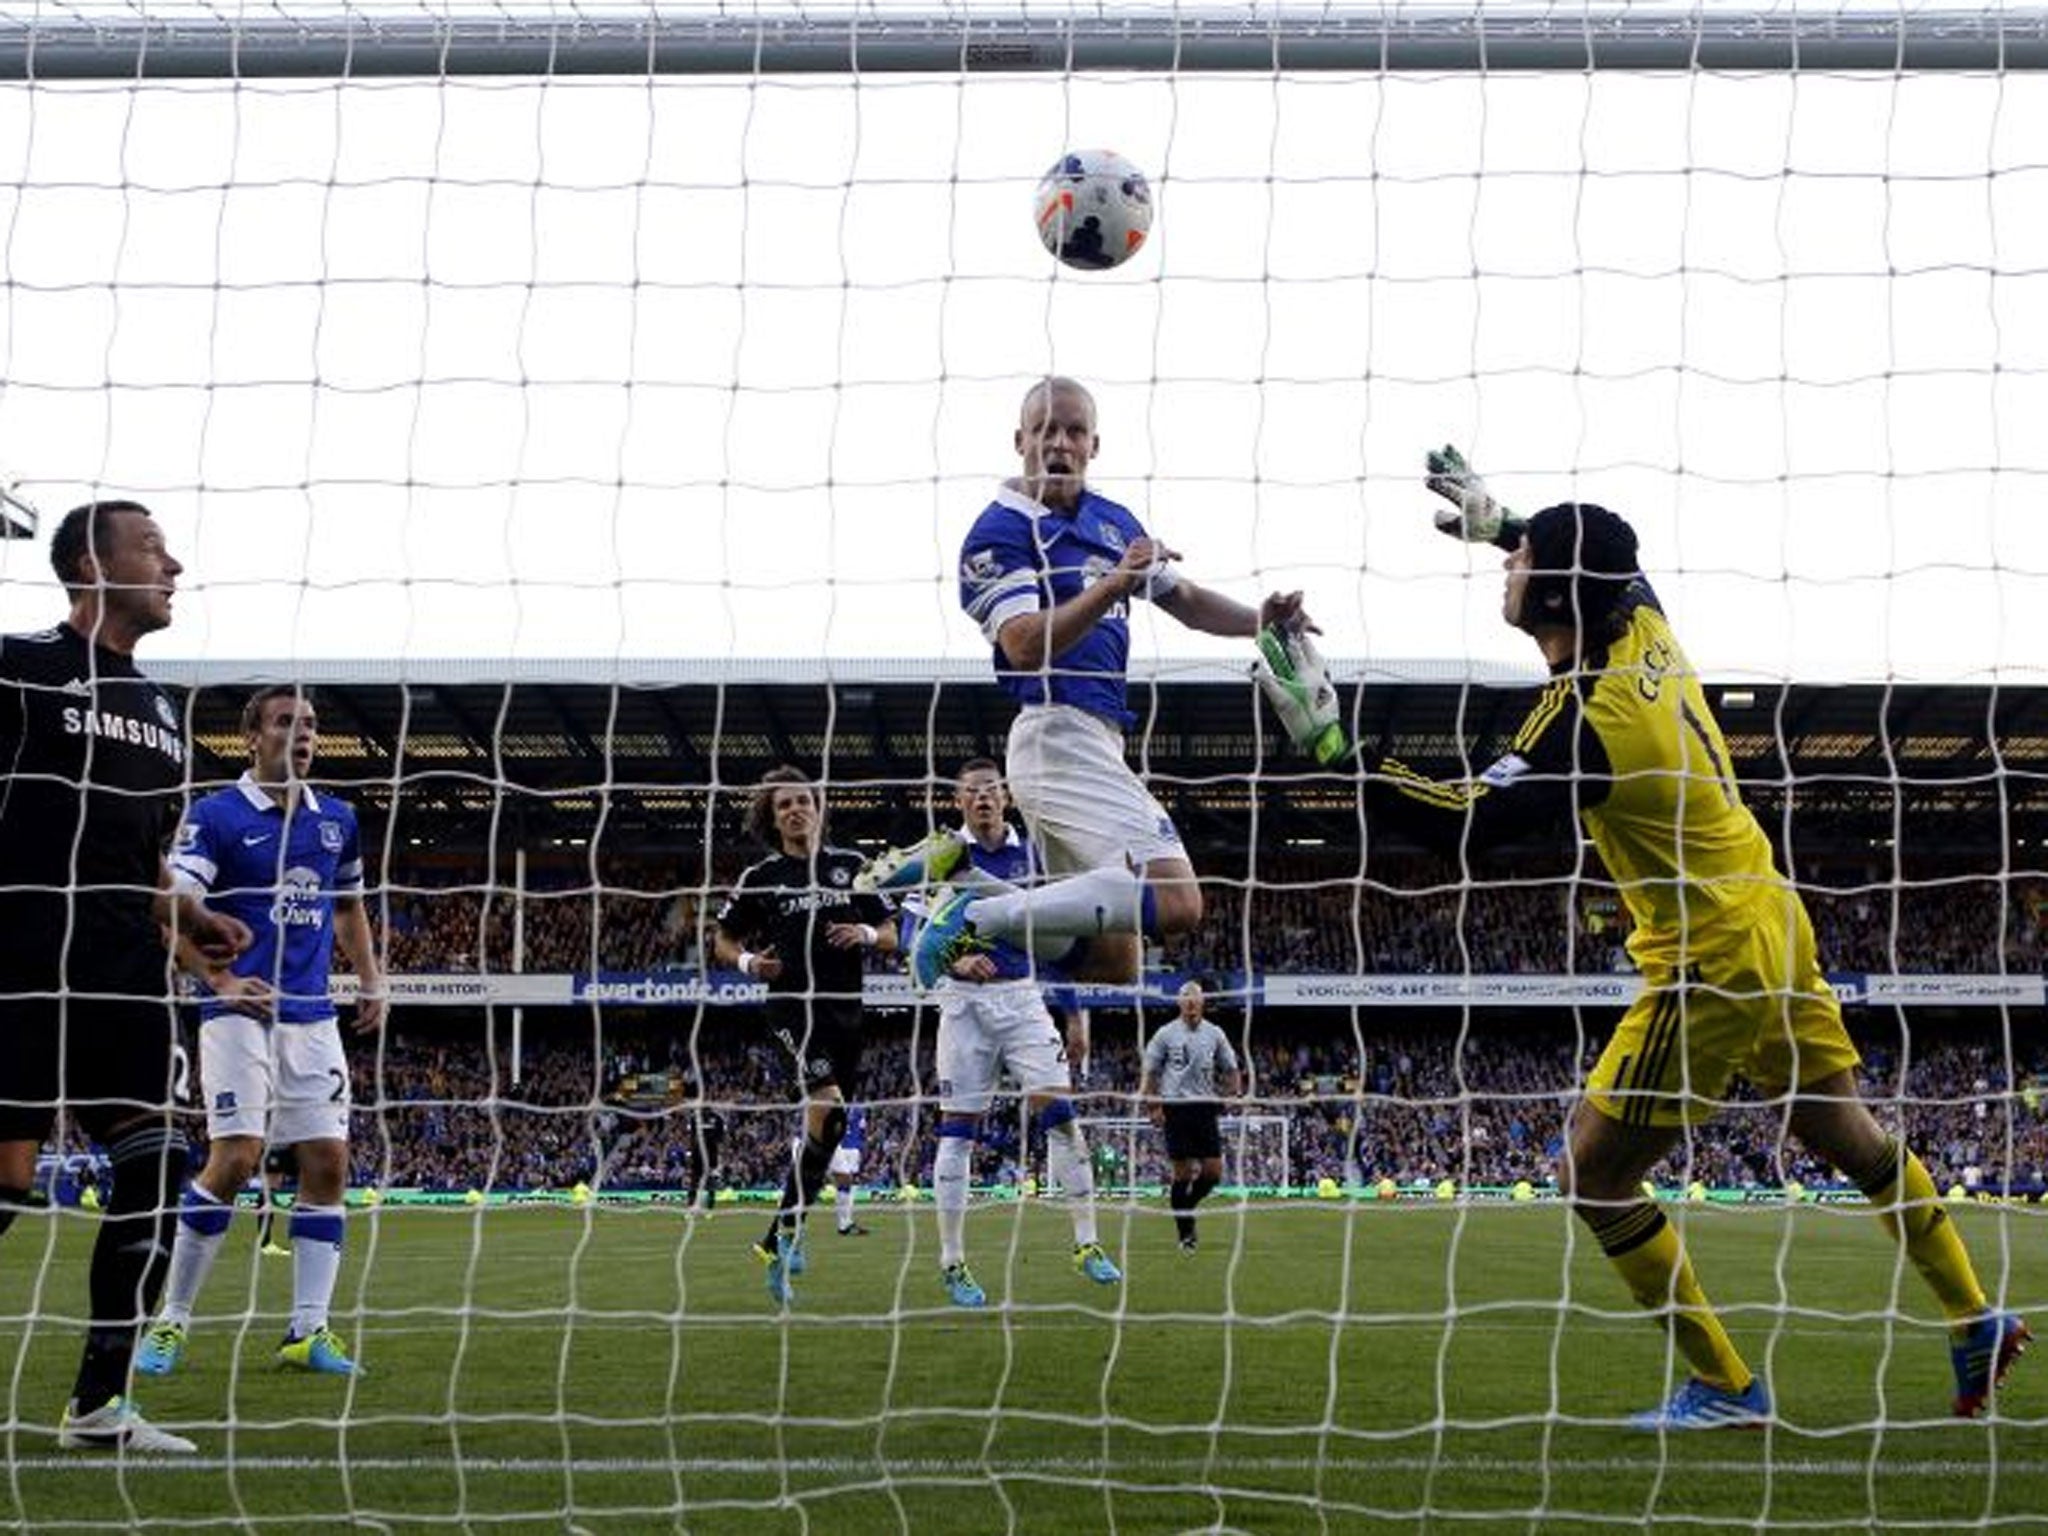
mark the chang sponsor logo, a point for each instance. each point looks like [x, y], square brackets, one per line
[299, 903]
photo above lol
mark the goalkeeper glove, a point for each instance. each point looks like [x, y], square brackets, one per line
[1474, 516]
[1290, 672]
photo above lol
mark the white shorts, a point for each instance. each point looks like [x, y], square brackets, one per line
[845, 1160]
[1079, 799]
[988, 1030]
[283, 1083]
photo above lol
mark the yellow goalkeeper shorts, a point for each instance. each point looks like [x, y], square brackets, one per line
[1758, 1007]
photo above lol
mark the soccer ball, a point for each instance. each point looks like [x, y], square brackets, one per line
[1094, 208]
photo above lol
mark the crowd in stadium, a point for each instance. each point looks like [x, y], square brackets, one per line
[1299, 920]
[1484, 1108]
[1421, 1105]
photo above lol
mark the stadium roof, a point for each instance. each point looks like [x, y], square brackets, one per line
[552, 752]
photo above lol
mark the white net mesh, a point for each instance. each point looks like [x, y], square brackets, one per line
[594, 444]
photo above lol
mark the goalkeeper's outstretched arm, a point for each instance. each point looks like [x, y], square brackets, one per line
[1555, 766]
[1534, 790]
[1475, 515]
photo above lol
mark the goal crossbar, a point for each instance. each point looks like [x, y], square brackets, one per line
[364, 43]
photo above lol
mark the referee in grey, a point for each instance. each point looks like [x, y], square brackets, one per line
[1186, 1062]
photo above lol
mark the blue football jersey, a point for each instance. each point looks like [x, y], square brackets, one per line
[856, 1136]
[1013, 861]
[280, 875]
[1020, 557]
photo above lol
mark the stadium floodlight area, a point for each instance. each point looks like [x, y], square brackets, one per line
[550, 347]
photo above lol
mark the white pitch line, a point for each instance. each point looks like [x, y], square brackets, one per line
[1039, 1317]
[1063, 1467]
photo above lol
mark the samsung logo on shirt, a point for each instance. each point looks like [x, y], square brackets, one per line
[810, 901]
[117, 727]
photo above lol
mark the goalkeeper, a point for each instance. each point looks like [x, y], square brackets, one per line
[1622, 743]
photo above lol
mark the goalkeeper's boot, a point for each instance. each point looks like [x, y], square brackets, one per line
[162, 1347]
[1696, 1405]
[928, 861]
[1982, 1354]
[320, 1352]
[275, 1251]
[945, 937]
[1090, 1260]
[784, 1260]
[771, 1250]
[962, 1289]
[117, 1425]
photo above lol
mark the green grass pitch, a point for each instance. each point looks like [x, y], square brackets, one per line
[1319, 1367]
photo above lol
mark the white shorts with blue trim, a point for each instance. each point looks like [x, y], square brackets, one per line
[1082, 804]
[993, 1031]
[281, 1083]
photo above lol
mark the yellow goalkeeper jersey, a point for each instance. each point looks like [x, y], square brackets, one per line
[1626, 745]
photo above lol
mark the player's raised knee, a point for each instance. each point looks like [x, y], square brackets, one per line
[1177, 906]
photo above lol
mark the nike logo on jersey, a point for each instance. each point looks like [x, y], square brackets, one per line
[249, 841]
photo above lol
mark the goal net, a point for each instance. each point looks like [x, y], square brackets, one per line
[589, 411]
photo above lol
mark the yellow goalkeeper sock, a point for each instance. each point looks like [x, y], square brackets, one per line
[1902, 1193]
[1644, 1247]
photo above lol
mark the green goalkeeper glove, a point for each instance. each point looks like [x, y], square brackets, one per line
[1474, 515]
[1291, 673]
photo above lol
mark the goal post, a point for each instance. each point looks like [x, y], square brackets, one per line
[1129, 1153]
[588, 406]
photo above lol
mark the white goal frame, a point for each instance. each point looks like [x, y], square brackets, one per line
[360, 42]
[1132, 1135]
[1021, 1251]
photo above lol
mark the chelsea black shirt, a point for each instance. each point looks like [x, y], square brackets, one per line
[788, 902]
[92, 763]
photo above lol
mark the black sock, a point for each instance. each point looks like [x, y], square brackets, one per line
[800, 1188]
[130, 1258]
[1200, 1189]
[786, 1207]
[1183, 1208]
